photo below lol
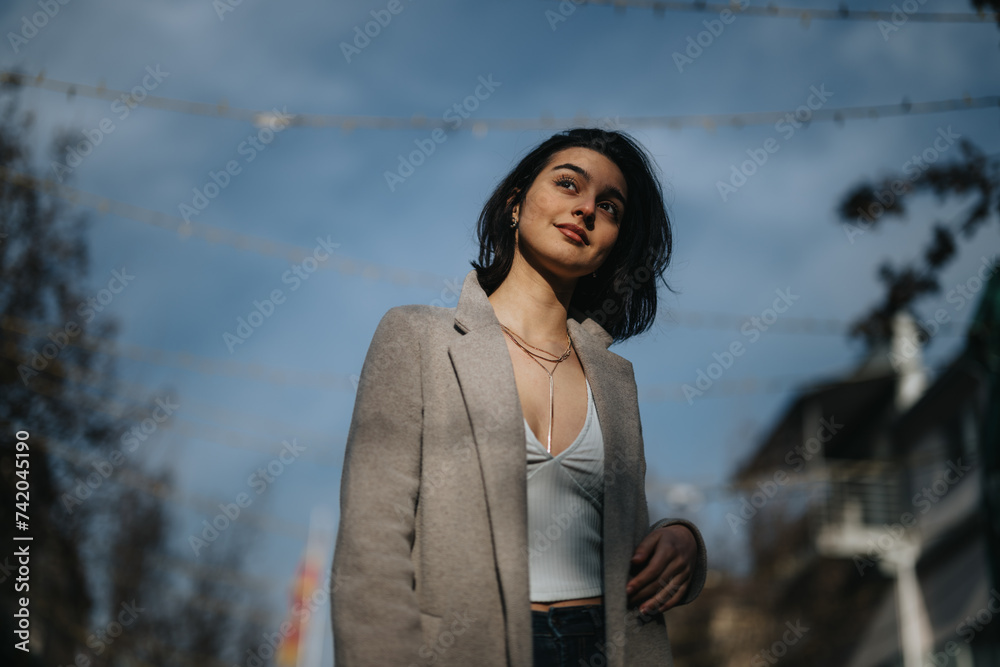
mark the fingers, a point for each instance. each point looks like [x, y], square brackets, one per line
[650, 580]
[661, 589]
[664, 557]
[645, 548]
[663, 582]
[663, 597]
[678, 592]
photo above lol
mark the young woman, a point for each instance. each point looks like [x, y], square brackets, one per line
[493, 509]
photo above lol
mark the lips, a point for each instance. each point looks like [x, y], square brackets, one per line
[574, 232]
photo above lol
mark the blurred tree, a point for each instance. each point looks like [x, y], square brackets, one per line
[974, 176]
[988, 5]
[983, 348]
[97, 554]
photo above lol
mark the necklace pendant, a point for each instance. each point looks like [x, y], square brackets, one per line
[551, 413]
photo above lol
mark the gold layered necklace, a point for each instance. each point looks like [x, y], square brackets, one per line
[545, 356]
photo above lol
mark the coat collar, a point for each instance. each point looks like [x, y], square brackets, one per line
[485, 374]
[475, 311]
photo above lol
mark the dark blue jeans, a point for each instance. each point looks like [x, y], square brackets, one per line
[569, 636]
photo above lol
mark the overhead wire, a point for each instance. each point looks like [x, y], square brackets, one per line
[348, 122]
[213, 234]
[186, 360]
[156, 488]
[648, 392]
[220, 435]
[804, 14]
[280, 376]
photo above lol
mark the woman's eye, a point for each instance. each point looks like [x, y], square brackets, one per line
[611, 208]
[565, 182]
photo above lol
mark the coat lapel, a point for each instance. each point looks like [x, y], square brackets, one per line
[486, 376]
[615, 398]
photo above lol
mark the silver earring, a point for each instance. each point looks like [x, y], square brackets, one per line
[594, 274]
[513, 224]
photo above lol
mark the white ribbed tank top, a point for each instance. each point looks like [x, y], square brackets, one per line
[565, 510]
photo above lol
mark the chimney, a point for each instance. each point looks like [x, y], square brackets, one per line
[907, 360]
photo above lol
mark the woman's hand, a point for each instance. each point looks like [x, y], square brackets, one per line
[666, 557]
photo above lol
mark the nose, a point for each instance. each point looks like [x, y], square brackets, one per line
[586, 210]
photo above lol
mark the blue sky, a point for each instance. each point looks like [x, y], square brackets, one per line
[778, 231]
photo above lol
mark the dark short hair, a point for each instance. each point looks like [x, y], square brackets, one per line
[622, 298]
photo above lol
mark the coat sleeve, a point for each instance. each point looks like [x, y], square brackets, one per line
[376, 620]
[700, 569]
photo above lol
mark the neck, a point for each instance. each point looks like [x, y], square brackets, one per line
[533, 305]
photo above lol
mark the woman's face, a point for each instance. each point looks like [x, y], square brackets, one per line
[569, 220]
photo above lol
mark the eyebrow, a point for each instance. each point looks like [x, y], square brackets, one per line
[583, 172]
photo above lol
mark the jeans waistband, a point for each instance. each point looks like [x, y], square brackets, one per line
[569, 620]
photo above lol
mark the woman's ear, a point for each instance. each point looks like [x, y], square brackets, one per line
[513, 196]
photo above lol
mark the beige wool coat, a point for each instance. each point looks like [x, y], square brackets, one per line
[432, 554]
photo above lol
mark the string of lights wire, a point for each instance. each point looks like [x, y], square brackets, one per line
[721, 488]
[833, 470]
[647, 392]
[158, 489]
[258, 372]
[481, 126]
[218, 235]
[238, 240]
[193, 430]
[204, 365]
[841, 13]
[185, 360]
[367, 270]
